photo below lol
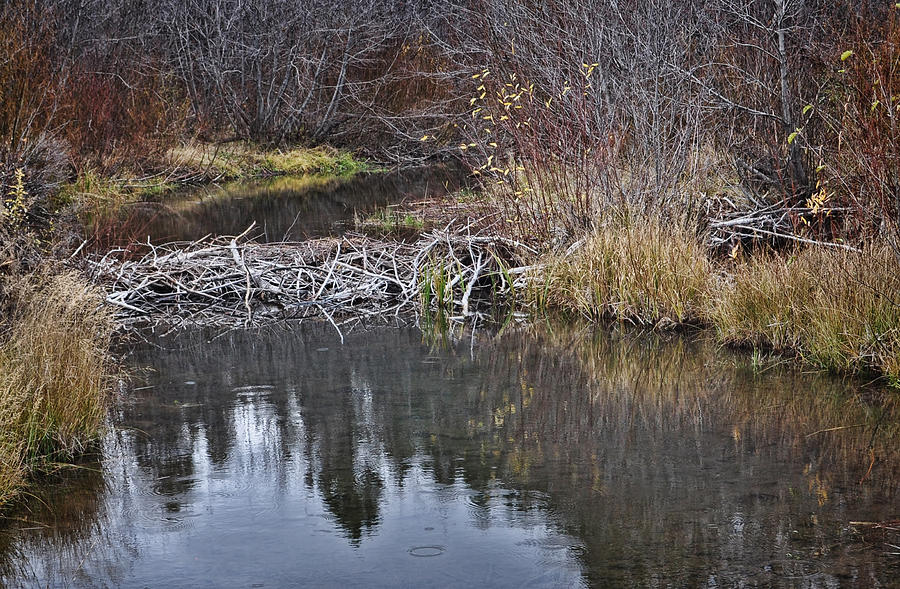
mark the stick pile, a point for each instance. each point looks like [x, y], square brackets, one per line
[771, 223]
[232, 280]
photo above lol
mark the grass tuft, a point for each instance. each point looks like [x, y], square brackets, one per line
[638, 270]
[55, 375]
[838, 309]
[388, 221]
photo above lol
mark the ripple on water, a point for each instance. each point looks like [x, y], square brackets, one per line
[163, 510]
[227, 484]
[427, 551]
[170, 486]
[794, 568]
[552, 543]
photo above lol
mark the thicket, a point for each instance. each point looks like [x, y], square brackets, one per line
[778, 118]
[569, 109]
[727, 162]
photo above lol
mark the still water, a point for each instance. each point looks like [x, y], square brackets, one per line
[535, 457]
[283, 208]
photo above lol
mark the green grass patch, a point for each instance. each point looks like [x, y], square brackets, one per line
[241, 160]
[389, 220]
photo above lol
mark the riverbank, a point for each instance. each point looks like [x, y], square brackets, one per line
[831, 307]
[196, 163]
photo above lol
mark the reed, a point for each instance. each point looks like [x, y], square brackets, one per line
[639, 270]
[838, 309]
[55, 376]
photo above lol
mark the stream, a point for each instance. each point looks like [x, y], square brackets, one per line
[530, 456]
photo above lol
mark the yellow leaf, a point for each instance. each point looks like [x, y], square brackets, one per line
[846, 55]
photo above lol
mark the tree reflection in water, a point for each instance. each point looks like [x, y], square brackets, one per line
[644, 458]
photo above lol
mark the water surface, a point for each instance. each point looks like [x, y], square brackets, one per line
[535, 458]
[282, 208]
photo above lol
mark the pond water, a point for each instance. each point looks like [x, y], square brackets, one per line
[536, 457]
[283, 208]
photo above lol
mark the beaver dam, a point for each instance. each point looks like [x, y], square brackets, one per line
[229, 280]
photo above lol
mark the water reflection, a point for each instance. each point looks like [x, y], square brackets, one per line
[283, 208]
[537, 458]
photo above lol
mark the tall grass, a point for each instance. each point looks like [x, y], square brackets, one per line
[55, 375]
[638, 269]
[838, 309]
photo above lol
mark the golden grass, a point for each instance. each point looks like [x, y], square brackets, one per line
[838, 309]
[639, 270]
[244, 160]
[55, 375]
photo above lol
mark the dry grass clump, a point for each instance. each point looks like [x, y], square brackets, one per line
[838, 309]
[11, 471]
[641, 270]
[835, 308]
[55, 375]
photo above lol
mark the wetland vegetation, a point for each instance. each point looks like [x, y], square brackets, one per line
[718, 176]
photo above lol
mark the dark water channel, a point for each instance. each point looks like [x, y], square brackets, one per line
[531, 458]
[535, 457]
[283, 208]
